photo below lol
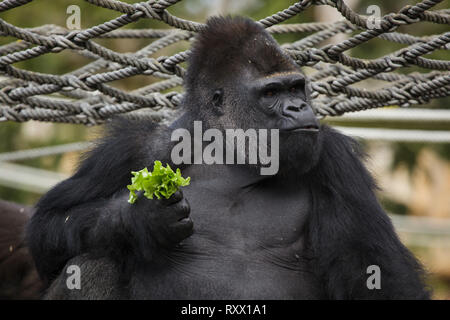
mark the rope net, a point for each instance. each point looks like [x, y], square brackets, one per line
[83, 96]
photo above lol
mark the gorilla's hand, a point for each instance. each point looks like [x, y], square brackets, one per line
[167, 220]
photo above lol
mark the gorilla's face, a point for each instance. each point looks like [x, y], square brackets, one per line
[278, 101]
[281, 99]
[283, 103]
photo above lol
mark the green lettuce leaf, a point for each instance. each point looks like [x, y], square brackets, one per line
[161, 182]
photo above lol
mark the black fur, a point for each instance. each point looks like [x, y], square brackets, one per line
[344, 229]
[104, 172]
[348, 230]
[226, 46]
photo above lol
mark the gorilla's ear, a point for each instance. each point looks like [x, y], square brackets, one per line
[217, 100]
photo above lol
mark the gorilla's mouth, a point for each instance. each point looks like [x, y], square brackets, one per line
[305, 128]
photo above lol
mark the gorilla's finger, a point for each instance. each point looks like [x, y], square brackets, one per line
[182, 229]
[176, 197]
[178, 211]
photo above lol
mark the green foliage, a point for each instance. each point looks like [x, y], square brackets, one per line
[391, 205]
[406, 153]
[162, 182]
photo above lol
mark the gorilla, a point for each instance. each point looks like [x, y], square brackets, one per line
[18, 276]
[313, 230]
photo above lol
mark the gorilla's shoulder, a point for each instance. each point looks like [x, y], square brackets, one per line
[341, 162]
[338, 145]
[136, 133]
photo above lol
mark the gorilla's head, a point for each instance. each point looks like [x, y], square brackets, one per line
[239, 77]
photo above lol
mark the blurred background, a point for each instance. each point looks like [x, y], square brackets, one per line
[414, 178]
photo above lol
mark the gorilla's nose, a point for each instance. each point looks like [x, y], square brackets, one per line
[300, 115]
[293, 110]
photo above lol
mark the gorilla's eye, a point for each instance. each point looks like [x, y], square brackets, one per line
[297, 88]
[269, 92]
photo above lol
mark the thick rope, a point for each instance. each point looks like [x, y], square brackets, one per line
[84, 96]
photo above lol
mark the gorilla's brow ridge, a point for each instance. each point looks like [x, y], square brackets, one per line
[276, 74]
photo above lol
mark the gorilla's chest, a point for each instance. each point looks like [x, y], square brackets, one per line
[247, 243]
[245, 217]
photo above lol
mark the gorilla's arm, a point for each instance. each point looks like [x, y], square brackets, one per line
[84, 213]
[349, 230]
